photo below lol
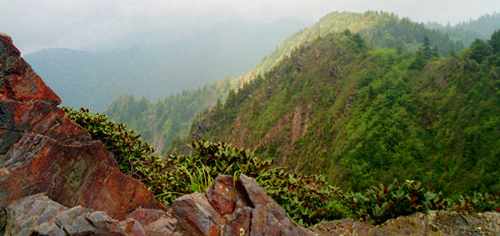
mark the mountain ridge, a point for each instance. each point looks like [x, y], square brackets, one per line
[360, 113]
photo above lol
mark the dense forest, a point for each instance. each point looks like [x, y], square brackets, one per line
[380, 29]
[360, 113]
[168, 120]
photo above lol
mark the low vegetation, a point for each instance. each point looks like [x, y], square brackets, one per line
[307, 199]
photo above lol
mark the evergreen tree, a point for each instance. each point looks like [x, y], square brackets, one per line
[427, 50]
[424, 54]
[479, 50]
[495, 41]
[359, 41]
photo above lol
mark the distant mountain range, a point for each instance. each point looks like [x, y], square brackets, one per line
[156, 65]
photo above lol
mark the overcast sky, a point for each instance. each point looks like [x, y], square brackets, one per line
[36, 24]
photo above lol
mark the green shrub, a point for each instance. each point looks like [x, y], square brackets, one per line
[380, 203]
[134, 156]
[305, 198]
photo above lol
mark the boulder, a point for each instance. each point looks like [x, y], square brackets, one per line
[41, 150]
[233, 207]
[39, 215]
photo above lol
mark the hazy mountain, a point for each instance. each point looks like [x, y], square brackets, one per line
[468, 31]
[154, 65]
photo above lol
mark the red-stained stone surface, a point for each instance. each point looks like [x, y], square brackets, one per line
[233, 208]
[41, 150]
[155, 222]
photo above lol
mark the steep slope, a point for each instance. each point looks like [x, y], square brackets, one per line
[361, 114]
[159, 64]
[169, 119]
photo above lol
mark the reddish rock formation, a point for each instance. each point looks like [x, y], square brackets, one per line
[233, 208]
[41, 150]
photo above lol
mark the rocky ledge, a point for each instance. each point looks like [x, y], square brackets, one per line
[56, 180]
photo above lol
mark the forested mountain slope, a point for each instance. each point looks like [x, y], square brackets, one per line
[381, 29]
[169, 119]
[361, 114]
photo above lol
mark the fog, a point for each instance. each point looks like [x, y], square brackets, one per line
[87, 24]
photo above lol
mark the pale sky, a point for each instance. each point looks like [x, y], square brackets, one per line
[36, 24]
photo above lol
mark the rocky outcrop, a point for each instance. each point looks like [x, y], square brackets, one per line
[433, 223]
[229, 207]
[233, 207]
[41, 150]
[38, 215]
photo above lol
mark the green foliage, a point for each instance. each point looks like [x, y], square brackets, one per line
[168, 120]
[378, 29]
[127, 146]
[480, 50]
[307, 199]
[134, 156]
[304, 198]
[424, 54]
[380, 203]
[495, 41]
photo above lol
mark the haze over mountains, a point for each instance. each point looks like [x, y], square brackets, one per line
[157, 64]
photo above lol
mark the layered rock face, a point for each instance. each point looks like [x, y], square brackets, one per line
[41, 150]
